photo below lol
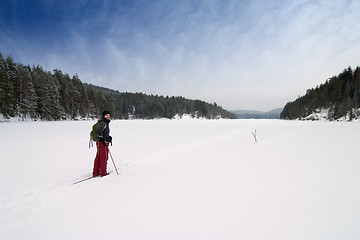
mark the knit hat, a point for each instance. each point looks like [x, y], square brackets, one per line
[105, 112]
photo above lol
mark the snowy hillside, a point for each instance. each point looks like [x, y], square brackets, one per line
[182, 179]
[326, 114]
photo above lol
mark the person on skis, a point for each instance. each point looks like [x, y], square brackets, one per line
[102, 153]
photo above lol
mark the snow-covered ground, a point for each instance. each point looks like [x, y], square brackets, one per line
[182, 179]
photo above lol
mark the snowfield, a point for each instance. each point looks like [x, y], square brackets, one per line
[182, 179]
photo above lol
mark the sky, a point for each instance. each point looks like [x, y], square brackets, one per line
[240, 54]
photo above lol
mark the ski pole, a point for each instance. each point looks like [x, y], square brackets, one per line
[113, 162]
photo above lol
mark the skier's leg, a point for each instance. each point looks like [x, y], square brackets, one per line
[96, 170]
[103, 159]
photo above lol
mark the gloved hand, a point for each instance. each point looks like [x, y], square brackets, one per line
[109, 140]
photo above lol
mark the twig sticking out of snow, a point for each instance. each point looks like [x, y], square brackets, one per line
[254, 134]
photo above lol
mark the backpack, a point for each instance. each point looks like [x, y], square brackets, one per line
[93, 134]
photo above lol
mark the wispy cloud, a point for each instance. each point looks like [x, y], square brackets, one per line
[241, 54]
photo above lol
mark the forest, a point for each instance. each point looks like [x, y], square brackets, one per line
[34, 93]
[339, 94]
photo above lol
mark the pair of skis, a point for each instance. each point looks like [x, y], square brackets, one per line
[88, 178]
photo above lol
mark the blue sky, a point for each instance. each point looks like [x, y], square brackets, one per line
[240, 54]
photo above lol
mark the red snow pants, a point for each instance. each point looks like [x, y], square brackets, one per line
[101, 158]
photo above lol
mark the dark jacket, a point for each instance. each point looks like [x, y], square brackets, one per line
[103, 130]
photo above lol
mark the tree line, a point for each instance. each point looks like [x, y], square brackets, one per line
[339, 94]
[32, 92]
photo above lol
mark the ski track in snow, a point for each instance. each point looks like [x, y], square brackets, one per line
[182, 179]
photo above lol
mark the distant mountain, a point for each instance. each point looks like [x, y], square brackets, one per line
[248, 114]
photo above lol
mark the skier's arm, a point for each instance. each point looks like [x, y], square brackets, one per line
[100, 129]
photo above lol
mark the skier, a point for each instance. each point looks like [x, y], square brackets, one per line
[102, 144]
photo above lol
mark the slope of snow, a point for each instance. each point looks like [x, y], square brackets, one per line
[320, 114]
[323, 114]
[182, 179]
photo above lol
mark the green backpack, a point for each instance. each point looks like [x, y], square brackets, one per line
[93, 134]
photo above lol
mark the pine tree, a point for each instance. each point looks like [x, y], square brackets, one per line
[33, 92]
[55, 108]
[8, 75]
[42, 92]
[82, 98]
[340, 94]
[4, 88]
[27, 99]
